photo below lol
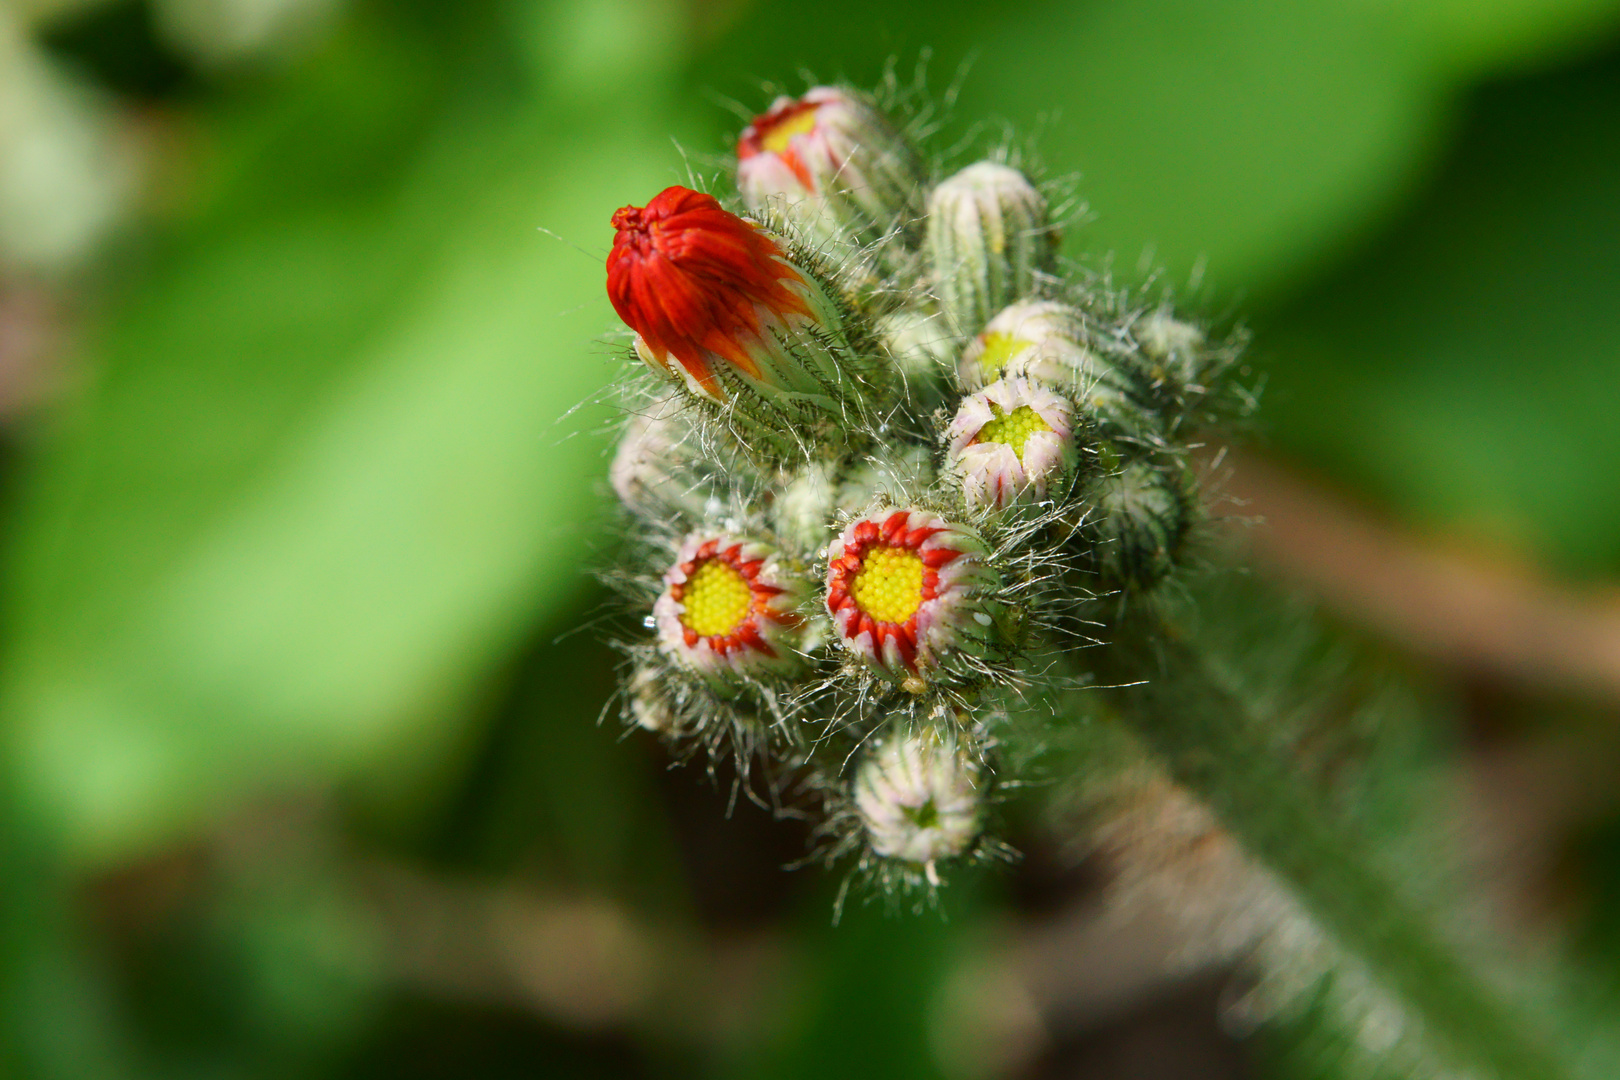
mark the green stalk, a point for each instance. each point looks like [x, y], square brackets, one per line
[1213, 746]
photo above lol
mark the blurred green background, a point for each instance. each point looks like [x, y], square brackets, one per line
[297, 302]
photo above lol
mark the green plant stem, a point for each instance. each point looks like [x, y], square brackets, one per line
[1214, 747]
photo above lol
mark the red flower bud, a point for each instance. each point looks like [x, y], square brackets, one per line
[690, 278]
[718, 307]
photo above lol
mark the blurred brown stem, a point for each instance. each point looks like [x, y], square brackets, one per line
[1463, 610]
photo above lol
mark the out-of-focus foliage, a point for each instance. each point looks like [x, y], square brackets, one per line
[1472, 353]
[318, 481]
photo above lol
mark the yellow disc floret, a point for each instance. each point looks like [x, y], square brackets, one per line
[717, 599]
[1000, 348]
[1012, 429]
[888, 586]
[776, 140]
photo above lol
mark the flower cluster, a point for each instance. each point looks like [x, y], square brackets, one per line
[888, 465]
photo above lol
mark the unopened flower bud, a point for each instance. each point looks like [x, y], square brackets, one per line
[1173, 350]
[805, 507]
[717, 307]
[888, 477]
[647, 703]
[923, 349]
[1012, 442]
[1140, 517]
[802, 508]
[909, 594]
[1048, 342]
[988, 239]
[918, 797]
[657, 469]
[832, 163]
[1040, 339]
[731, 610]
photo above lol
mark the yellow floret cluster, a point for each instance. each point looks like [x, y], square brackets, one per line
[1013, 429]
[999, 348]
[717, 599]
[780, 138]
[888, 586]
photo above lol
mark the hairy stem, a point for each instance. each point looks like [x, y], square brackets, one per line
[1214, 746]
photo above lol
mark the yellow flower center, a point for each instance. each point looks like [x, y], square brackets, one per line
[776, 140]
[1000, 348]
[717, 599]
[888, 586]
[1013, 429]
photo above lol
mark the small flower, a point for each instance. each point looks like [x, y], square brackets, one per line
[907, 593]
[988, 239]
[1048, 342]
[918, 797]
[1011, 442]
[730, 610]
[717, 306]
[832, 163]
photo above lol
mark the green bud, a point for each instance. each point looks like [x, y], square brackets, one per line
[923, 349]
[1138, 521]
[988, 241]
[1172, 351]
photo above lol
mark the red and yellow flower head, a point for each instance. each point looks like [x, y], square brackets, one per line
[729, 610]
[909, 592]
[830, 162]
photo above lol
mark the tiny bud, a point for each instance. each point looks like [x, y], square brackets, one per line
[988, 238]
[922, 347]
[656, 469]
[1139, 520]
[908, 593]
[918, 797]
[1172, 349]
[802, 507]
[886, 478]
[646, 703]
[805, 506]
[719, 309]
[832, 163]
[1012, 442]
[731, 611]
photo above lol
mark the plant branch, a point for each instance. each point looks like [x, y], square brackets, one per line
[1214, 747]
